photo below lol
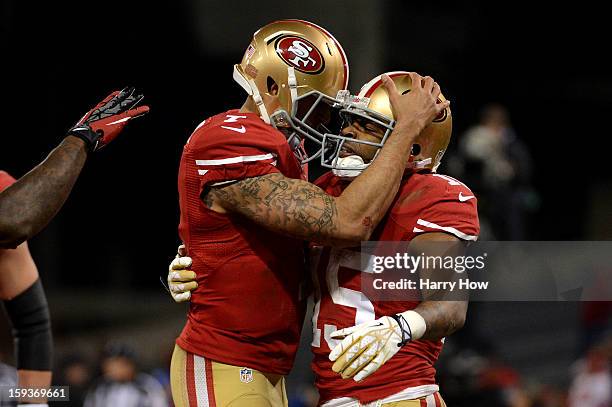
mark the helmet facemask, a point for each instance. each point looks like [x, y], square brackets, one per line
[312, 115]
[336, 150]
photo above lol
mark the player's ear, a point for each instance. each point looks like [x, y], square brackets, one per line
[272, 87]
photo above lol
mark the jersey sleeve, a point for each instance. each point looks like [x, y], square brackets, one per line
[450, 207]
[331, 184]
[223, 155]
[5, 180]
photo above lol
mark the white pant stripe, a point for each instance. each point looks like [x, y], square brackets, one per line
[201, 385]
[431, 400]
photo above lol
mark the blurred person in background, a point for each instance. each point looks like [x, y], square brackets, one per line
[592, 382]
[498, 165]
[75, 372]
[122, 384]
[28, 205]
[8, 377]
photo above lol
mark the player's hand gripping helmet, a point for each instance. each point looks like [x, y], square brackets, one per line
[372, 106]
[309, 66]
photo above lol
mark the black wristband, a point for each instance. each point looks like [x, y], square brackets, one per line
[85, 133]
[406, 334]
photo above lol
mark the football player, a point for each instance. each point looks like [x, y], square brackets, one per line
[26, 306]
[26, 206]
[353, 336]
[30, 203]
[246, 209]
[388, 348]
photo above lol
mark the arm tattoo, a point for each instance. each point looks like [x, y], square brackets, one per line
[281, 204]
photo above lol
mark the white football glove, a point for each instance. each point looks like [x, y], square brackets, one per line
[366, 347]
[181, 280]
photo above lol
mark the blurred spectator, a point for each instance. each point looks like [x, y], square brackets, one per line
[75, 372]
[122, 385]
[596, 321]
[497, 166]
[549, 396]
[8, 377]
[162, 374]
[305, 396]
[592, 384]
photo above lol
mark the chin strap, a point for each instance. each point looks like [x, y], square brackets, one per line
[422, 163]
[249, 86]
[263, 112]
[292, 82]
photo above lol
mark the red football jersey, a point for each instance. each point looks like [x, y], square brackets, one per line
[5, 180]
[247, 309]
[425, 202]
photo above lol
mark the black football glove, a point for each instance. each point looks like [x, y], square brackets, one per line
[104, 122]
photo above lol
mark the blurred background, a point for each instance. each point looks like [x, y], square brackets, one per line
[531, 91]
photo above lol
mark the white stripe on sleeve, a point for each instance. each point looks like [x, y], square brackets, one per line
[448, 229]
[234, 160]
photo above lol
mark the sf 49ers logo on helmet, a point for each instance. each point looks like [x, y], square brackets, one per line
[300, 53]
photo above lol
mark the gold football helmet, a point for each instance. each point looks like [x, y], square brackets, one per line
[372, 104]
[309, 67]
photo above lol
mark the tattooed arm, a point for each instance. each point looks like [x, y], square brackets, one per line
[444, 313]
[292, 207]
[302, 210]
[29, 204]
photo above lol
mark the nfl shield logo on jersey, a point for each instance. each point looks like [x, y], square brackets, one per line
[246, 375]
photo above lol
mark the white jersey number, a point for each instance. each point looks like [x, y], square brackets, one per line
[339, 295]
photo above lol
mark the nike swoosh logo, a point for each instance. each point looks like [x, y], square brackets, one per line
[125, 119]
[465, 198]
[240, 129]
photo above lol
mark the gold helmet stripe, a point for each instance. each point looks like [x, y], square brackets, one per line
[370, 87]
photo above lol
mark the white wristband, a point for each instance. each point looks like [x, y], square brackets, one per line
[416, 323]
[33, 405]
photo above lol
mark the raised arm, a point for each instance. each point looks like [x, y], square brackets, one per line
[29, 204]
[302, 210]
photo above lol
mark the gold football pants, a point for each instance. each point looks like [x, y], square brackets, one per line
[200, 382]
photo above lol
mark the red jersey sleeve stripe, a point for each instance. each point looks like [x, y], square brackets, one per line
[448, 229]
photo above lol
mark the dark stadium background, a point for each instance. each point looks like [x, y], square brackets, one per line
[102, 256]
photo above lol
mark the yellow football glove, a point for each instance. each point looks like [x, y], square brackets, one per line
[366, 347]
[181, 280]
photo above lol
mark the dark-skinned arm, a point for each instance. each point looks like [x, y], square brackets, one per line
[442, 317]
[302, 210]
[28, 205]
